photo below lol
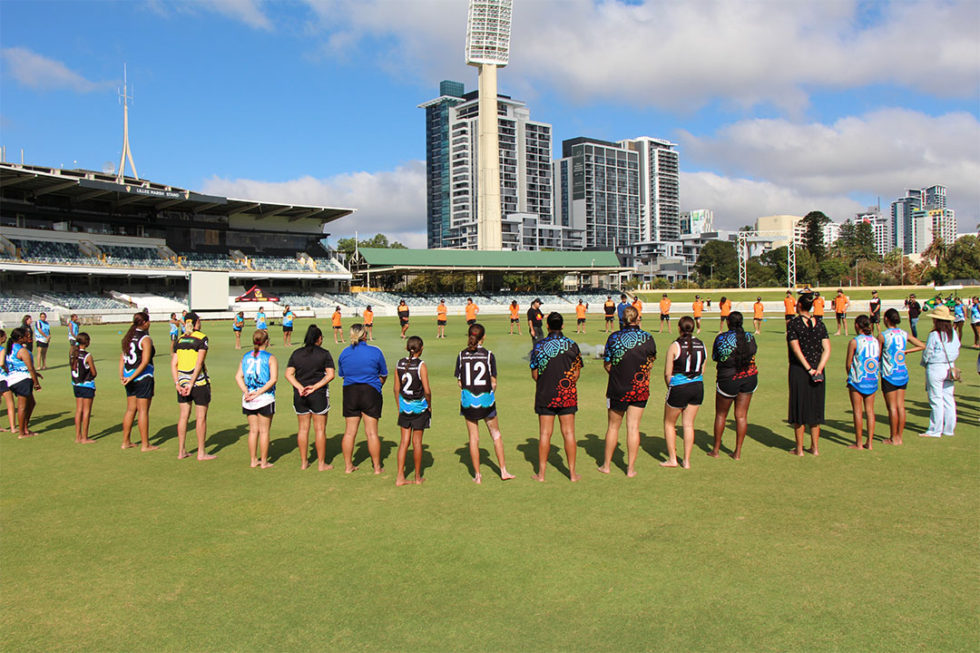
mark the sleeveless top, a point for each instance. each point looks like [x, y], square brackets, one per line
[238, 323]
[81, 375]
[975, 313]
[174, 331]
[16, 368]
[411, 396]
[474, 370]
[72, 330]
[134, 355]
[863, 373]
[260, 321]
[893, 367]
[257, 372]
[287, 319]
[689, 367]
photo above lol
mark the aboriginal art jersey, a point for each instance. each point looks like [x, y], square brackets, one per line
[959, 314]
[474, 369]
[723, 353]
[689, 364]
[260, 321]
[893, 367]
[186, 350]
[16, 368]
[630, 351]
[81, 372]
[975, 314]
[287, 319]
[134, 355]
[862, 375]
[257, 372]
[411, 395]
[238, 324]
[72, 330]
[42, 331]
[557, 359]
[175, 330]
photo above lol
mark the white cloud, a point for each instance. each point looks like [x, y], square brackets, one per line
[39, 72]
[391, 202]
[247, 11]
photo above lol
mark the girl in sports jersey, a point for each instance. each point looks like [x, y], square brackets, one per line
[683, 374]
[414, 406]
[975, 321]
[237, 325]
[737, 378]
[174, 331]
[83, 375]
[861, 366]
[515, 317]
[476, 374]
[73, 326]
[894, 345]
[8, 396]
[22, 378]
[136, 375]
[257, 374]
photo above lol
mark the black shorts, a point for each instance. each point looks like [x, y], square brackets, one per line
[441, 322]
[362, 399]
[581, 320]
[733, 387]
[621, 406]
[142, 389]
[317, 403]
[841, 316]
[477, 413]
[473, 321]
[369, 326]
[515, 321]
[789, 317]
[686, 394]
[42, 345]
[338, 328]
[548, 410]
[3, 387]
[875, 318]
[286, 329]
[665, 316]
[887, 386]
[610, 318]
[819, 318]
[415, 421]
[82, 392]
[403, 321]
[22, 388]
[265, 411]
[200, 395]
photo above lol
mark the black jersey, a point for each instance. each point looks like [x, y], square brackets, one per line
[81, 373]
[410, 378]
[475, 368]
[134, 355]
[689, 364]
[557, 360]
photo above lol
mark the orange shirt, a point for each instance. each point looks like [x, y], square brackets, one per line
[638, 305]
[818, 306]
[471, 311]
[757, 310]
[840, 304]
[368, 317]
[402, 309]
[441, 311]
[580, 311]
[515, 312]
[665, 306]
[698, 307]
[725, 307]
[790, 305]
[336, 319]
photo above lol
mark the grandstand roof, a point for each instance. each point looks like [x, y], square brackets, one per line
[379, 260]
[81, 186]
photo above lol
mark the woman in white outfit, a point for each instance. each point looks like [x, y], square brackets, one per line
[942, 349]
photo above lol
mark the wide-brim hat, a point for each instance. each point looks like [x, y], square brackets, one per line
[941, 313]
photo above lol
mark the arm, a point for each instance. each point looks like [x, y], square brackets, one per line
[849, 358]
[918, 345]
[397, 385]
[534, 375]
[825, 356]
[122, 359]
[794, 346]
[426, 390]
[144, 358]
[173, 367]
[240, 380]
[91, 365]
[493, 383]
[672, 351]
[25, 356]
[271, 383]
[291, 379]
[328, 376]
[201, 355]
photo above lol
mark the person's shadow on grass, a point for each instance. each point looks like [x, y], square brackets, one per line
[225, 438]
[763, 435]
[656, 447]
[112, 430]
[464, 459]
[362, 454]
[50, 416]
[595, 448]
[427, 461]
[530, 450]
[165, 434]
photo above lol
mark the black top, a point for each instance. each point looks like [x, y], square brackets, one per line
[474, 369]
[810, 334]
[557, 359]
[81, 372]
[630, 351]
[690, 364]
[134, 356]
[875, 305]
[411, 380]
[915, 310]
[310, 364]
[535, 316]
[609, 308]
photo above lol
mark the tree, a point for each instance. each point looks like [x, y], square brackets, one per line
[718, 262]
[813, 224]
[856, 242]
[346, 245]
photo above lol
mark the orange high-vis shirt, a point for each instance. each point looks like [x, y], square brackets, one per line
[725, 307]
[665, 306]
[818, 306]
[790, 305]
[441, 311]
[402, 309]
[515, 312]
[840, 304]
[580, 311]
[698, 307]
[336, 319]
[757, 310]
[471, 310]
[368, 317]
[638, 305]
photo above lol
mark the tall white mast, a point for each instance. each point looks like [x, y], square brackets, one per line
[126, 152]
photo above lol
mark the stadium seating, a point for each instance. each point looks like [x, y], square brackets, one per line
[17, 304]
[202, 261]
[84, 301]
[277, 263]
[136, 257]
[47, 251]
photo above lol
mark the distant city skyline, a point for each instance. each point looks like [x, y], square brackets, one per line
[777, 108]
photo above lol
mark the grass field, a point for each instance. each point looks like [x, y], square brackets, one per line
[859, 295]
[112, 550]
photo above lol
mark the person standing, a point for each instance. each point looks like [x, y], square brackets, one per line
[338, 327]
[580, 312]
[28, 323]
[818, 306]
[809, 351]
[83, 375]
[724, 310]
[684, 376]
[609, 309]
[556, 363]
[309, 370]
[42, 336]
[472, 310]
[861, 366]
[664, 313]
[942, 350]
[476, 375]
[515, 317]
[190, 375]
[915, 310]
[22, 379]
[5, 393]
[257, 374]
[975, 321]
[73, 328]
[629, 355]
[237, 324]
[534, 320]
[403, 317]
[893, 343]
[136, 376]
[874, 307]
[259, 319]
[841, 304]
[365, 372]
[368, 323]
[414, 398]
[287, 326]
[442, 316]
[959, 318]
[758, 314]
[697, 308]
[621, 310]
[734, 352]
[638, 305]
[789, 307]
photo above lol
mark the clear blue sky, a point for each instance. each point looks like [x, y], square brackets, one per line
[777, 107]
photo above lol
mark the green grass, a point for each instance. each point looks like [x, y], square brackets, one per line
[104, 549]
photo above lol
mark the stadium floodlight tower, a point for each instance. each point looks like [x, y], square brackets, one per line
[487, 48]
[127, 153]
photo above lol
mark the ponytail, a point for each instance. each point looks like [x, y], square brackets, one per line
[474, 335]
[358, 334]
[259, 338]
[16, 335]
[685, 327]
[313, 334]
[413, 345]
[742, 355]
[81, 340]
[140, 320]
[863, 325]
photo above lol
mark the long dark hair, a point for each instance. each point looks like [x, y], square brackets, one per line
[892, 317]
[16, 335]
[742, 355]
[140, 320]
[313, 333]
[685, 327]
[863, 324]
[944, 327]
[81, 340]
[474, 335]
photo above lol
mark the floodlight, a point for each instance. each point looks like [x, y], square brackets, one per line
[488, 32]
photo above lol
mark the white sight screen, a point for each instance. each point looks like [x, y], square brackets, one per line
[208, 291]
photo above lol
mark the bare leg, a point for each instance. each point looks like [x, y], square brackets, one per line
[687, 420]
[900, 406]
[320, 441]
[402, 453]
[143, 423]
[127, 423]
[183, 415]
[8, 398]
[798, 436]
[670, 434]
[858, 417]
[347, 444]
[374, 442]
[253, 440]
[615, 420]
[498, 447]
[201, 430]
[265, 426]
[78, 419]
[86, 417]
[742, 402]
[417, 454]
[303, 439]
[722, 404]
[546, 426]
[814, 440]
[238, 340]
[567, 425]
[473, 433]
[633, 415]
[869, 410]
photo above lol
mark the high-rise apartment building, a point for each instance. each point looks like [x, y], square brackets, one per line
[451, 167]
[881, 228]
[660, 203]
[930, 224]
[902, 213]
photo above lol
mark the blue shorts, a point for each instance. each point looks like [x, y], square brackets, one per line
[82, 392]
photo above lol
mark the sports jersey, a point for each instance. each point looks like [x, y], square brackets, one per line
[840, 304]
[474, 369]
[893, 367]
[557, 359]
[535, 317]
[260, 320]
[723, 351]
[73, 327]
[81, 373]
[187, 348]
[688, 365]
[609, 308]
[236, 325]
[17, 369]
[411, 394]
[725, 307]
[665, 306]
[975, 314]
[287, 319]
[175, 331]
[863, 373]
[875, 307]
[580, 311]
[515, 312]
[959, 314]
[471, 310]
[629, 351]
[697, 307]
[638, 305]
[818, 306]
[441, 311]
[257, 372]
[368, 318]
[789, 306]
[403, 312]
[42, 331]
[134, 355]
[758, 310]
[335, 319]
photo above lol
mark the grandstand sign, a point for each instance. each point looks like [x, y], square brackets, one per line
[159, 193]
[255, 294]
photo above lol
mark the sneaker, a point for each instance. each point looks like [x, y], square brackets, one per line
[949, 435]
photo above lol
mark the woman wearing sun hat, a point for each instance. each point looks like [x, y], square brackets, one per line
[942, 349]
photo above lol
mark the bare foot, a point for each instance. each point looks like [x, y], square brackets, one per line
[669, 463]
[127, 445]
[855, 446]
[735, 456]
[29, 434]
[686, 464]
[419, 480]
[150, 447]
[182, 455]
[205, 456]
[713, 454]
[869, 446]
[303, 465]
[86, 441]
[796, 452]
[630, 473]
[812, 451]
[379, 470]
[538, 477]
[350, 470]
[254, 463]
[603, 469]
[574, 477]
[505, 475]
[324, 467]
[478, 479]
[401, 481]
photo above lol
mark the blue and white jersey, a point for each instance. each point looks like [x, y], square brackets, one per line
[258, 372]
[411, 394]
[893, 367]
[475, 369]
[260, 320]
[42, 331]
[174, 331]
[959, 313]
[72, 331]
[975, 314]
[287, 319]
[81, 371]
[238, 323]
[863, 373]
[16, 368]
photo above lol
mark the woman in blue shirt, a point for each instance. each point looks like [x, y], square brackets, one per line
[364, 370]
[257, 374]
[861, 367]
[894, 344]
[22, 378]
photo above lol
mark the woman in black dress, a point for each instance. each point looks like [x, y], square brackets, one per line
[809, 351]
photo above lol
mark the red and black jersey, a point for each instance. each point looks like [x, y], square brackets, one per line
[557, 359]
